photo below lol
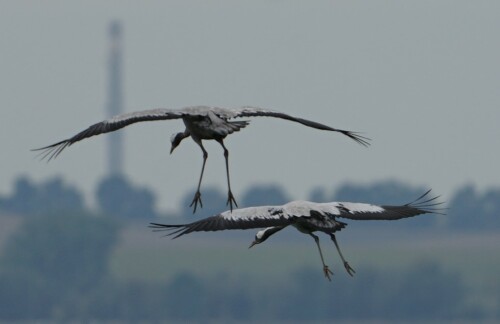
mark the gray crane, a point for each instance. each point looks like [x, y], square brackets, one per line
[307, 217]
[202, 123]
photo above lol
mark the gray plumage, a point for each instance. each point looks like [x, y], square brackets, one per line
[202, 123]
[305, 216]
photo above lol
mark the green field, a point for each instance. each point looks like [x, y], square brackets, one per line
[147, 256]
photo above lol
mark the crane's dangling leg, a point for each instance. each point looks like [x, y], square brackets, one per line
[197, 195]
[347, 267]
[230, 197]
[326, 270]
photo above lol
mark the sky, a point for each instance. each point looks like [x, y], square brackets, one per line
[420, 78]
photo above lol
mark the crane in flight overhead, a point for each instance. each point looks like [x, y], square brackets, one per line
[202, 123]
[307, 217]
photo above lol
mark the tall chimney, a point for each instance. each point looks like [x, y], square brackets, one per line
[115, 98]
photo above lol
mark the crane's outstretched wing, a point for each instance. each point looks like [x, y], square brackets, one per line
[260, 112]
[243, 218]
[120, 121]
[359, 211]
[270, 216]
[109, 125]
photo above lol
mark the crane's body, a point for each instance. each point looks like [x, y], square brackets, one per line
[201, 122]
[307, 217]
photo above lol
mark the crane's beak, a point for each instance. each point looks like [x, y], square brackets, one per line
[253, 243]
[172, 149]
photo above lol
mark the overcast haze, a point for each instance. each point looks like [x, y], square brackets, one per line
[421, 78]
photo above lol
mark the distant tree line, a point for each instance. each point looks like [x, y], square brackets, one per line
[116, 196]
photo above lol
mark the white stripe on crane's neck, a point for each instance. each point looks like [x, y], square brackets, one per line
[261, 233]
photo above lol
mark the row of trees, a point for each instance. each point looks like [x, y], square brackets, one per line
[117, 196]
[56, 268]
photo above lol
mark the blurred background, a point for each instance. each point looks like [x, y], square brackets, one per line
[419, 77]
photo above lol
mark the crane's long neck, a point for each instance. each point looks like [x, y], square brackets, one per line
[185, 134]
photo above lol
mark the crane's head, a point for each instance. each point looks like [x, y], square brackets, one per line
[176, 139]
[263, 235]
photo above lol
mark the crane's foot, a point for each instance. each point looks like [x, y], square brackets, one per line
[231, 200]
[348, 268]
[327, 272]
[196, 200]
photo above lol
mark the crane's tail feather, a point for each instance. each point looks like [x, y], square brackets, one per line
[239, 124]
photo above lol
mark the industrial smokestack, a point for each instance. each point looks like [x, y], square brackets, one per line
[115, 98]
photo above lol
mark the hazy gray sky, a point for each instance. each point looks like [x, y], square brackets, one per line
[421, 78]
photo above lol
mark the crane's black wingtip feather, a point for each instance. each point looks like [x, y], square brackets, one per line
[52, 151]
[163, 226]
[50, 146]
[176, 229]
[428, 204]
[360, 139]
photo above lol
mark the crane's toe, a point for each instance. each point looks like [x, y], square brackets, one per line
[231, 200]
[327, 272]
[348, 268]
[196, 200]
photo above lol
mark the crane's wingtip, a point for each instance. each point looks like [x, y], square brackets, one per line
[176, 229]
[360, 139]
[429, 204]
[51, 151]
